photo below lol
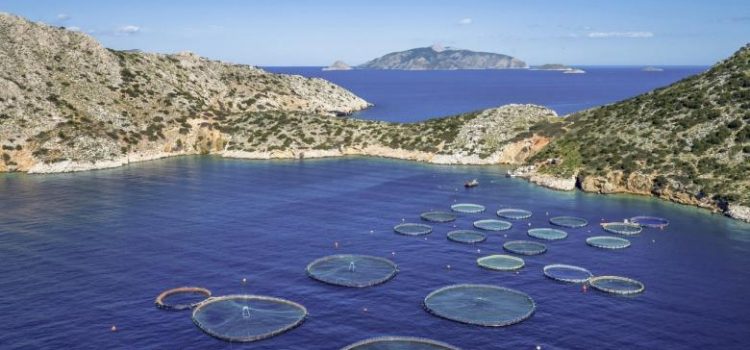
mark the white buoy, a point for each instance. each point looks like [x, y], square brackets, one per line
[114, 328]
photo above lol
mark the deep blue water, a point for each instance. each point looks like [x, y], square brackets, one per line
[81, 252]
[418, 95]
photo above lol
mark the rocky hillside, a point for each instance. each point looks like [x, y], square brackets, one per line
[67, 104]
[435, 57]
[688, 142]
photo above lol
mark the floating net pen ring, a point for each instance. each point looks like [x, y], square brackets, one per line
[513, 214]
[247, 318]
[466, 236]
[385, 343]
[492, 225]
[161, 304]
[608, 242]
[617, 285]
[410, 229]
[547, 234]
[649, 221]
[467, 208]
[500, 262]
[622, 228]
[568, 221]
[525, 247]
[438, 216]
[480, 304]
[349, 270]
[567, 273]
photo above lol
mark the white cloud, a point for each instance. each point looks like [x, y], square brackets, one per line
[620, 35]
[73, 29]
[128, 30]
[63, 16]
[465, 21]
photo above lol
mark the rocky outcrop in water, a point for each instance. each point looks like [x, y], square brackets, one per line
[338, 65]
[434, 58]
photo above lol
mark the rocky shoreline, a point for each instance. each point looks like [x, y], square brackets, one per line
[602, 186]
[528, 172]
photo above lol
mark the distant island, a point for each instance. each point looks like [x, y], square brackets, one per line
[559, 67]
[437, 57]
[338, 65]
[652, 69]
[551, 66]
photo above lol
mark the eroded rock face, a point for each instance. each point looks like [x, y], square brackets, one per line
[739, 212]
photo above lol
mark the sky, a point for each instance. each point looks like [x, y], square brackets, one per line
[316, 33]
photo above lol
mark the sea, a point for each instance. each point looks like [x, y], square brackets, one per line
[84, 255]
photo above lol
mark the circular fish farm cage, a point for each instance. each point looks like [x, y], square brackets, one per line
[649, 221]
[568, 221]
[185, 295]
[567, 273]
[617, 285]
[246, 318]
[525, 247]
[399, 343]
[357, 271]
[608, 242]
[547, 234]
[480, 304]
[467, 208]
[500, 262]
[466, 236]
[409, 229]
[492, 225]
[513, 214]
[438, 216]
[622, 228]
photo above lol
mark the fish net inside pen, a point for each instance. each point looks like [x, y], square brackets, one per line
[480, 304]
[567, 273]
[513, 214]
[467, 208]
[500, 262]
[246, 318]
[617, 285]
[409, 229]
[608, 242]
[438, 216]
[548, 234]
[466, 236]
[622, 228]
[525, 247]
[649, 221]
[568, 221]
[492, 225]
[399, 343]
[352, 270]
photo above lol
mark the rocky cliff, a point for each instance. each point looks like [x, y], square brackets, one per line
[428, 58]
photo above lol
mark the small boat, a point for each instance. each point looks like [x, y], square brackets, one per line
[472, 183]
